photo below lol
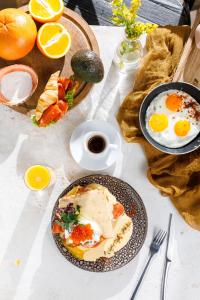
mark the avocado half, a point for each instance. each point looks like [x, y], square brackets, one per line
[87, 66]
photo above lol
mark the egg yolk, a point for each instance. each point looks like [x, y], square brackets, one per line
[158, 122]
[182, 127]
[174, 102]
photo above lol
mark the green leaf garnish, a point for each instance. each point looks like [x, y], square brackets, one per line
[69, 97]
[34, 121]
[68, 218]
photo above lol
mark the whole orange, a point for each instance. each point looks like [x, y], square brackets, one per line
[17, 33]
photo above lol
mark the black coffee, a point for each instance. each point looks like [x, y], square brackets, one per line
[96, 144]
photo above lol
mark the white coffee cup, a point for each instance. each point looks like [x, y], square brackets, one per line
[103, 149]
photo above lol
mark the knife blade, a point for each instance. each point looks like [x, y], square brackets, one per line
[168, 255]
[170, 239]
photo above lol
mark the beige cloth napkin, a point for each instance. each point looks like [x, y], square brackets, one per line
[175, 176]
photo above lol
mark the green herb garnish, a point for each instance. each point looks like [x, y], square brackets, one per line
[35, 122]
[69, 97]
[33, 119]
[70, 218]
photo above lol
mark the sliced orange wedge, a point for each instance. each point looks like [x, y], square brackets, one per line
[53, 40]
[46, 10]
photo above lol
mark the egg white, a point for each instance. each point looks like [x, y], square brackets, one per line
[168, 137]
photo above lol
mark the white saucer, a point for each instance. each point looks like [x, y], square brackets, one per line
[83, 156]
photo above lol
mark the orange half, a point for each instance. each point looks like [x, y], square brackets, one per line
[53, 40]
[37, 177]
[46, 10]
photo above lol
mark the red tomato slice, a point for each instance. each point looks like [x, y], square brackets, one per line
[64, 81]
[63, 105]
[61, 91]
[52, 113]
[56, 228]
[70, 85]
[118, 210]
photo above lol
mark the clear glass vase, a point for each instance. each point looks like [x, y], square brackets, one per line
[128, 55]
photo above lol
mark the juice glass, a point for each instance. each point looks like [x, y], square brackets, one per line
[38, 177]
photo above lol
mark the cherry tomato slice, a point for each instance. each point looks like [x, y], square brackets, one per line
[56, 228]
[118, 210]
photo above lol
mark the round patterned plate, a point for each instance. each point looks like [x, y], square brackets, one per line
[134, 208]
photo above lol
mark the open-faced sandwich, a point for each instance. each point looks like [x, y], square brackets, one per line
[59, 91]
[92, 223]
[55, 100]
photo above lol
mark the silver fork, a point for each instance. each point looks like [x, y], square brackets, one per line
[154, 247]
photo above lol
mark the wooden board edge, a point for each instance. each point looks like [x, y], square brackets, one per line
[81, 21]
[187, 49]
[86, 27]
[94, 46]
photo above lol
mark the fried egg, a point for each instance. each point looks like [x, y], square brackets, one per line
[173, 118]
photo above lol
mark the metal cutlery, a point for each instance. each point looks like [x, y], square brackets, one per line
[154, 248]
[168, 256]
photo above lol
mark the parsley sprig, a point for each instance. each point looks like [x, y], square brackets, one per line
[70, 218]
[69, 97]
[33, 118]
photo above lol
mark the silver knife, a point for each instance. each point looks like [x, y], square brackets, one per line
[168, 256]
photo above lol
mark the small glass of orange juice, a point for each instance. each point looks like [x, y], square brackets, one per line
[38, 177]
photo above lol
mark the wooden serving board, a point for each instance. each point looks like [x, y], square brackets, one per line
[188, 69]
[82, 37]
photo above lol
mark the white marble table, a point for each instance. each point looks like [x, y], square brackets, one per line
[42, 272]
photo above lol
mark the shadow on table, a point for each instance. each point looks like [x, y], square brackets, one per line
[48, 146]
[10, 130]
[44, 146]
[21, 242]
[116, 87]
[58, 279]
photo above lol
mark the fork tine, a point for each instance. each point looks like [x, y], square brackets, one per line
[160, 241]
[160, 236]
[157, 236]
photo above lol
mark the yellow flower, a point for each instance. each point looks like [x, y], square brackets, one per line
[117, 2]
[135, 5]
[122, 15]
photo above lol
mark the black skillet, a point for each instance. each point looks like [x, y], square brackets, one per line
[182, 86]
